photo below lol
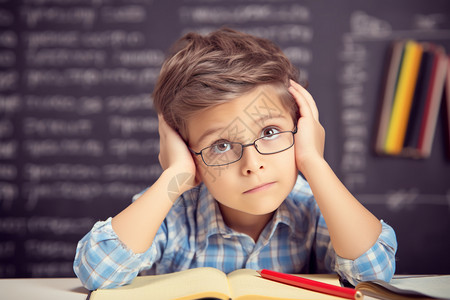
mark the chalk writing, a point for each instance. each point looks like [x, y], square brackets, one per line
[113, 38]
[9, 103]
[50, 269]
[131, 172]
[244, 13]
[60, 190]
[62, 148]
[129, 103]
[8, 80]
[140, 58]
[50, 39]
[64, 103]
[73, 74]
[56, 225]
[278, 33]
[49, 249]
[401, 199]
[81, 192]
[121, 190]
[67, 2]
[428, 22]
[123, 14]
[73, 38]
[65, 57]
[298, 55]
[127, 126]
[8, 193]
[130, 147]
[62, 171]
[88, 77]
[6, 128]
[353, 116]
[8, 39]
[365, 25]
[8, 171]
[80, 16]
[54, 127]
[7, 58]
[8, 149]
[13, 226]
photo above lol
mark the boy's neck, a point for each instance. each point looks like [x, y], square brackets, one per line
[242, 222]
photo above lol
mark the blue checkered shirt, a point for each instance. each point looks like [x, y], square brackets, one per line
[194, 234]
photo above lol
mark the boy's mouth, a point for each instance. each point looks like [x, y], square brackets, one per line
[260, 188]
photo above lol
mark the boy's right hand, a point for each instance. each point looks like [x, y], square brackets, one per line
[175, 155]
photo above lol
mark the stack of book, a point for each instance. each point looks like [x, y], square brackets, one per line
[417, 75]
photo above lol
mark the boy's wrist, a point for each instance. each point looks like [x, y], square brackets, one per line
[311, 164]
[177, 181]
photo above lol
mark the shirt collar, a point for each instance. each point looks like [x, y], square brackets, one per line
[283, 215]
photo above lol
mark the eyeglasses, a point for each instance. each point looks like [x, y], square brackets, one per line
[225, 153]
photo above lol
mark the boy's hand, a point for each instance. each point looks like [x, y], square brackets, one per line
[174, 154]
[310, 137]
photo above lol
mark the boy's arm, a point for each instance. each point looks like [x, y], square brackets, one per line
[113, 252]
[353, 229]
[136, 226]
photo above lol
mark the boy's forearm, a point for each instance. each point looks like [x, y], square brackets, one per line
[353, 229]
[136, 225]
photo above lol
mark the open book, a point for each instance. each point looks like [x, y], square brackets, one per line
[243, 284]
[408, 287]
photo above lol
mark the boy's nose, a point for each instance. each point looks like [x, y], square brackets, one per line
[251, 161]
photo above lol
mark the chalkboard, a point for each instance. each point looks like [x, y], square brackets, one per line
[78, 133]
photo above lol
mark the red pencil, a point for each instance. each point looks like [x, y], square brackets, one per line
[312, 285]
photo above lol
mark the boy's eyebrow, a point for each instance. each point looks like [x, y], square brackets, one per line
[262, 119]
[209, 132]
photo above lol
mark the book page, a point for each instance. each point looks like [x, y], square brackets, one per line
[189, 284]
[247, 284]
[435, 286]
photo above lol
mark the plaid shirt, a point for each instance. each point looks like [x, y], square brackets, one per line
[194, 234]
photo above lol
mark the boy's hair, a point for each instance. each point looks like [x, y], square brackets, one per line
[203, 71]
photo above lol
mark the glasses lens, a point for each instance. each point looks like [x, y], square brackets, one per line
[222, 154]
[275, 142]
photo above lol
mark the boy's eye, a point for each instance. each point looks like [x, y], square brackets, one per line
[220, 147]
[269, 132]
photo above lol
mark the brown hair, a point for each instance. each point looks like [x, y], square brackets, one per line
[203, 71]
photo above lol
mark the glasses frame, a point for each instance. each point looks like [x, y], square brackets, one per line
[294, 131]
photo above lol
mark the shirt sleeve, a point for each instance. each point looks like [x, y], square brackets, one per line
[376, 263]
[103, 261]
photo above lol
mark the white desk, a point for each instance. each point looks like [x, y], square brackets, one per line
[48, 289]
[42, 289]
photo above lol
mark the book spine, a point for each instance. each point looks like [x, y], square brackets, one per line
[434, 98]
[403, 98]
[410, 146]
[447, 102]
[388, 94]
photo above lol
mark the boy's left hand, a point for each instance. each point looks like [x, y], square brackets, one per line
[310, 136]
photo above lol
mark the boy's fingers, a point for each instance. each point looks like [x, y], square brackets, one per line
[163, 126]
[308, 98]
[303, 105]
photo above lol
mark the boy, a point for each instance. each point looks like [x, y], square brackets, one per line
[235, 131]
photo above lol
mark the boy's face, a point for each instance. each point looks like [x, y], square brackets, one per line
[256, 184]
